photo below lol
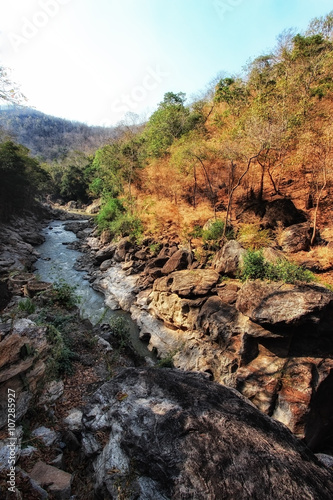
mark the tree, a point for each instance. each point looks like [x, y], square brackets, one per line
[21, 178]
[171, 120]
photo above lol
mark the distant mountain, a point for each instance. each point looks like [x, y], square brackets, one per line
[50, 138]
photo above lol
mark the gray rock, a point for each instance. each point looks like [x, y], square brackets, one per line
[105, 253]
[105, 265]
[47, 436]
[74, 420]
[296, 238]
[176, 435]
[228, 259]
[53, 391]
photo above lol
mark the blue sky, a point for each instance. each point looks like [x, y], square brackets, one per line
[96, 60]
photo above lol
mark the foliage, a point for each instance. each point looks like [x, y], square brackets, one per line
[254, 238]
[120, 331]
[110, 211]
[21, 178]
[171, 120]
[65, 294]
[27, 306]
[49, 138]
[120, 222]
[212, 236]
[60, 361]
[255, 266]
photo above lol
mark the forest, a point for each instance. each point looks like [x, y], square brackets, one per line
[249, 139]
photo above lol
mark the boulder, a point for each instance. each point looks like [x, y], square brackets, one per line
[185, 283]
[47, 436]
[121, 250]
[181, 259]
[296, 238]
[175, 435]
[105, 253]
[227, 260]
[56, 481]
[94, 207]
[23, 353]
[275, 303]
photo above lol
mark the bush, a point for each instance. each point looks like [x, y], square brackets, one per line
[109, 212]
[286, 271]
[126, 225]
[214, 233]
[65, 294]
[114, 217]
[120, 331]
[256, 267]
[27, 306]
[60, 361]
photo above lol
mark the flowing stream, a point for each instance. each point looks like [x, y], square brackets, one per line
[56, 264]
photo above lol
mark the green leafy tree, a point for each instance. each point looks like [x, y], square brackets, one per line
[171, 120]
[21, 178]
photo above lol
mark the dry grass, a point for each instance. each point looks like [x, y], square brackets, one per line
[254, 238]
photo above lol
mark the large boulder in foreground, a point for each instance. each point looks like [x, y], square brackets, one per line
[173, 434]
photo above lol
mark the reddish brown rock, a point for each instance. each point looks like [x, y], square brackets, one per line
[179, 260]
[56, 481]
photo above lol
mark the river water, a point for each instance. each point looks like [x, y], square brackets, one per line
[56, 264]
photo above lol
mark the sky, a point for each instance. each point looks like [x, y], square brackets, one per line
[103, 61]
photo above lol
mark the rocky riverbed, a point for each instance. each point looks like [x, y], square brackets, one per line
[113, 427]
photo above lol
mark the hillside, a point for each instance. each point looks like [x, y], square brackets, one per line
[49, 138]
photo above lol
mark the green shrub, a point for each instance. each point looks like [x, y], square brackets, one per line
[61, 358]
[114, 217]
[109, 212]
[256, 267]
[27, 306]
[288, 272]
[120, 331]
[214, 233]
[126, 225]
[65, 294]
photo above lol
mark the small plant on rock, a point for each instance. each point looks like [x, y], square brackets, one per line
[65, 294]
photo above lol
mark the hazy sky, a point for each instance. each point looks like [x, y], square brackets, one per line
[95, 60]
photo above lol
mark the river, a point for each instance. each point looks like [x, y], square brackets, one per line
[56, 264]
